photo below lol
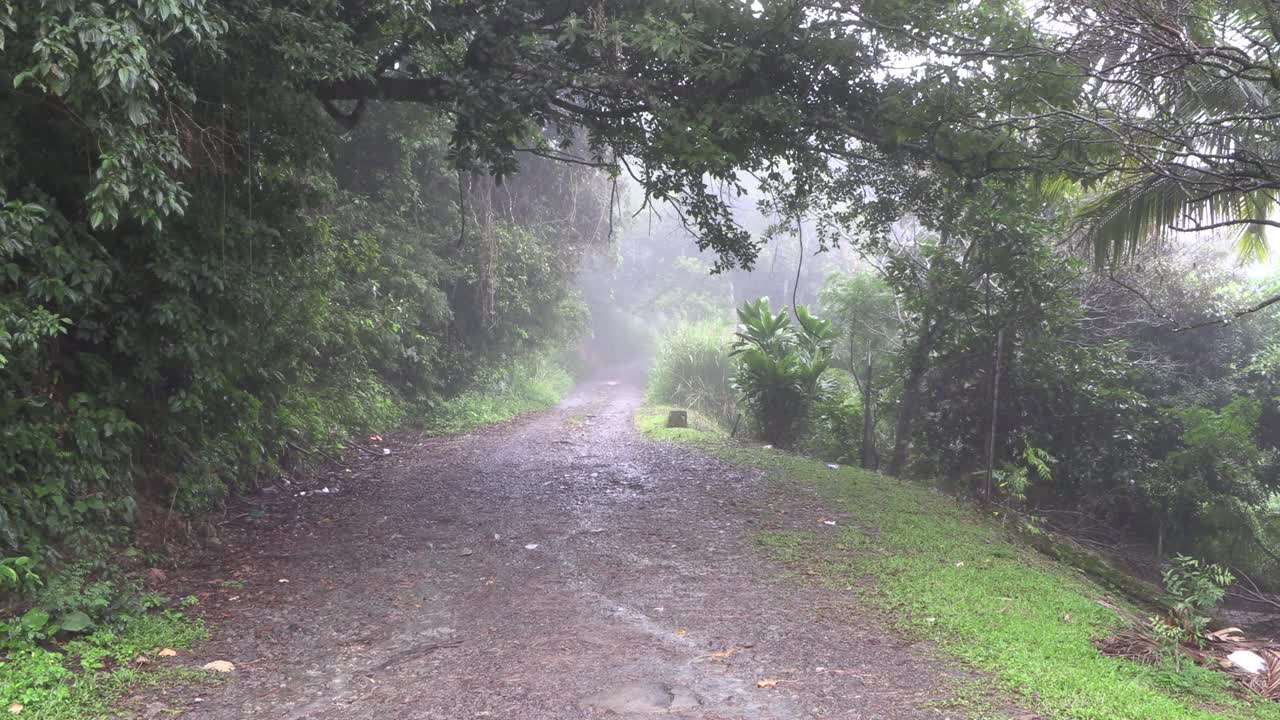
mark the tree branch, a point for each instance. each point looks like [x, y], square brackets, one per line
[1225, 223]
[394, 89]
[1233, 316]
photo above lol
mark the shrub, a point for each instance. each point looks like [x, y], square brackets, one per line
[529, 384]
[837, 418]
[778, 368]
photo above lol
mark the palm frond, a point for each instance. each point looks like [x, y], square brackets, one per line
[1056, 189]
[1121, 219]
[1251, 245]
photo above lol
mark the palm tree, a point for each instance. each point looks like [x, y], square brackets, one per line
[1181, 118]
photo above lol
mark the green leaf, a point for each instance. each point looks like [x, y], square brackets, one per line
[75, 621]
[34, 620]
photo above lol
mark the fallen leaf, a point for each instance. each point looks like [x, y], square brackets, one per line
[682, 632]
[221, 666]
[16, 708]
[1066, 617]
[725, 653]
[766, 683]
[168, 652]
[1231, 634]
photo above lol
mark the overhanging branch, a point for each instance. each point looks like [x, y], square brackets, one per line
[1233, 316]
[393, 89]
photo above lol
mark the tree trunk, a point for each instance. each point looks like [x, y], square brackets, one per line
[869, 459]
[995, 408]
[908, 406]
[914, 384]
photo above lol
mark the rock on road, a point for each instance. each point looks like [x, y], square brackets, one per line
[559, 566]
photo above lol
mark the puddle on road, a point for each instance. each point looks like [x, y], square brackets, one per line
[645, 698]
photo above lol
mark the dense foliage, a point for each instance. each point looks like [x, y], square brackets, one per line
[778, 367]
[202, 281]
[232, 234]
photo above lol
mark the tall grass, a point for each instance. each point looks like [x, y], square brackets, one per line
[532, 383]
[691, 368]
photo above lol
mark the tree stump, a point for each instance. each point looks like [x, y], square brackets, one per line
[678, 419]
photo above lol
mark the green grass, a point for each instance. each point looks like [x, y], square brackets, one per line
[85, 677]
[945, 573]
[529, 386]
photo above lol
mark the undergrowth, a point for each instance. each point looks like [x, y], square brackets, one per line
[691, 367]
[85, 676]
[530, 385]
[951, 576]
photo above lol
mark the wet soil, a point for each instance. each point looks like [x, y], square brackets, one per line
[559, 566]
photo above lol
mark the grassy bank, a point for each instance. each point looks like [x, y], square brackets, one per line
[530, 385]
[86, 676]
[947, 574]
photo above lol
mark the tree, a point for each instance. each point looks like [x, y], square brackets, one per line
[679, 94]
[865, 310]
[1169, 116]
[1216, 465]
[203, 284]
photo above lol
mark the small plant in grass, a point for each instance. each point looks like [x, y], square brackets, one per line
[80, 677]
[17, 575]
[1193, 589]
[1014, 478]
[1169, 637]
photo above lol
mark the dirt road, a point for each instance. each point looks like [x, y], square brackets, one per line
[556, 567]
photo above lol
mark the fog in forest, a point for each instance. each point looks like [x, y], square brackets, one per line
[530, 359]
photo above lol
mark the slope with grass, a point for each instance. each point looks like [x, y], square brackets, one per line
[534, 383]
[947, 574]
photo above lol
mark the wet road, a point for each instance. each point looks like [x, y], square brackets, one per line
[557, 567]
